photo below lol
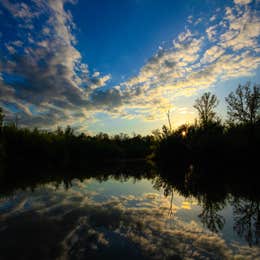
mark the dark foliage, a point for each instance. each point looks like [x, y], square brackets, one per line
[244, 105]
[62, 149]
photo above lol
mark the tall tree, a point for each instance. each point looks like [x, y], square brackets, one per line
[205, 106]
[244, 104]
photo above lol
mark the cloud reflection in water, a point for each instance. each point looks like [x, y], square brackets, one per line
[72, 224]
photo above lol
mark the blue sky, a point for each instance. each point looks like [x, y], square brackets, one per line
[119, 66]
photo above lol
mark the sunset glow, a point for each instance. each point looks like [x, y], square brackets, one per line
[119, 66]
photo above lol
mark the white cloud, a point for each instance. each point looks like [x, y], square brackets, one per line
[212, 54]
[19, 10]
[242, 2]
[211, 32]
[18, 43]
[243, 30]
[213, 18]
[10, 49]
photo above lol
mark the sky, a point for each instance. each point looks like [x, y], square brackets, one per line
[119, 66]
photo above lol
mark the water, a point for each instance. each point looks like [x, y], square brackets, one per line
[124, 217]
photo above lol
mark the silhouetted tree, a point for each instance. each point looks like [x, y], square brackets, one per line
[205, 106]
[2, 152]
[1, 117]
[244, 104]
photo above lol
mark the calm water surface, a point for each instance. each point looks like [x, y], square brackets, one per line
[124, 219]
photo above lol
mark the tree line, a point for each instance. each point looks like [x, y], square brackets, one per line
[207, 139]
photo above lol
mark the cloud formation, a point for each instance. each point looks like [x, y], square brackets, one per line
[46, 82]
[49, 83]
[200, 57]
[242, 2]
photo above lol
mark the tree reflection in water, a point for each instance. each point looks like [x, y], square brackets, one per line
[247, 220]
[210, 217]
[212, 188]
